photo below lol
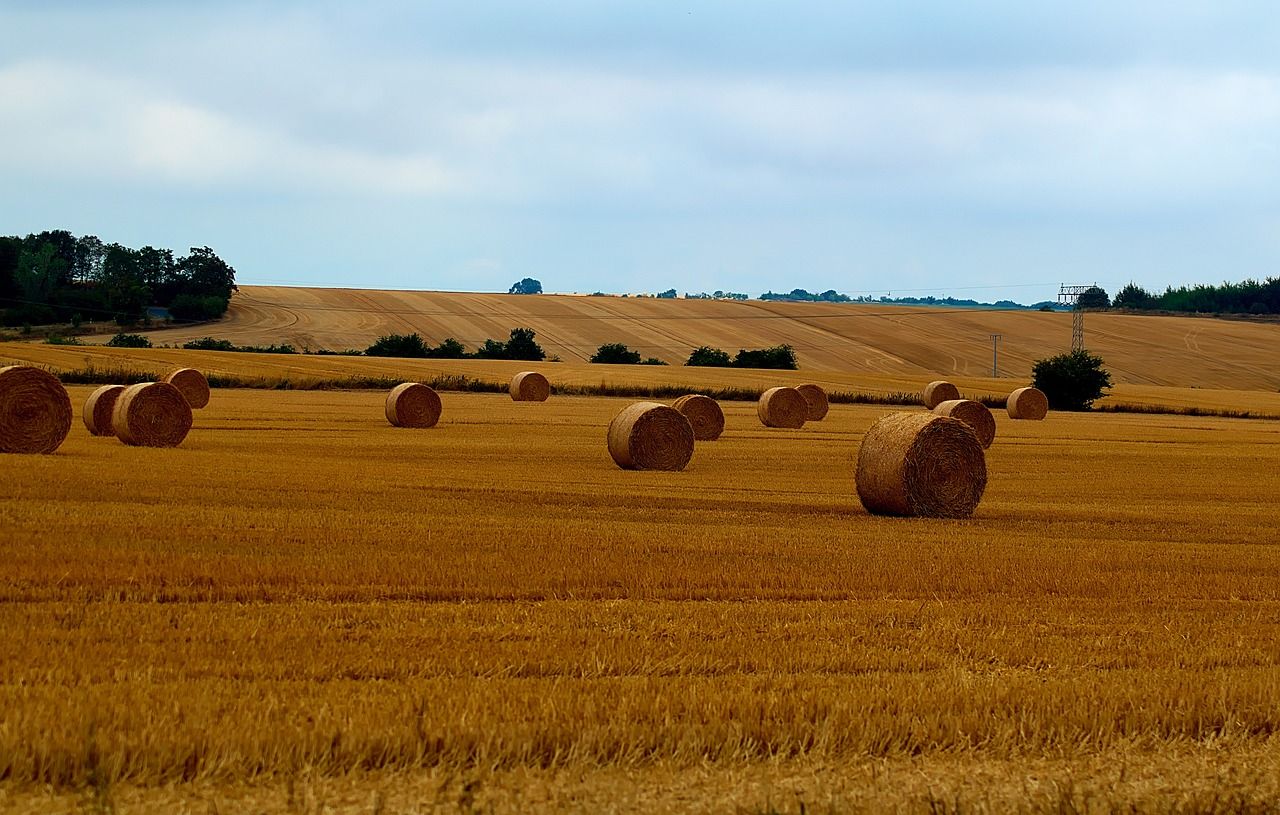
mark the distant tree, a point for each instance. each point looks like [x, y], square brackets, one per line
[1134, 297]
[492, 349]
[449, 348]
[39, 269]
[409, 346]
[209, 344]
[652, 361]
[88, 259]
[1071, 381]
[706, 357]
[526, 286]
[780, 357]
[10, 251]
[669, 294]
[522, 346]
[615, 353]
[1094, 297]
[129, 341]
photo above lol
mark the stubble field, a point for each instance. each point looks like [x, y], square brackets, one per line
[305, 609]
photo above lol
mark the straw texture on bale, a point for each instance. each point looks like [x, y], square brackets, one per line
[974, 414]
[782, 407]
[650, 436]
[152, 414]
[703, 413]
[191, 384]
[35, 410]
[530, 386]
[921, 464]
[1027, 403]
[98, 409]
[935, 393]
[817, 399]
[412, 404]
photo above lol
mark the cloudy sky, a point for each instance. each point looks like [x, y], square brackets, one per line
[990, 149]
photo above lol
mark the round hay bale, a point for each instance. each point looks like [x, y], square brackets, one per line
[935, 393]
[35, 410]
[1027, 403]
[530, 386]
[152, 414]
[703, 413]
[921, 464]
[782, 407]
[974, 414]
[412, 404]
[650, 436]
[191, 384]
[98, 409]
[817, 399]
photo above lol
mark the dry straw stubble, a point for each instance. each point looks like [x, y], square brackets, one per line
[782, 407]
[816, 397]
[921, 464]
[935, 393]
[152, 414]
[35, 410]
[703, 413]
[650, 436]
[192, 384]
[975, 414]
[412, 404]
[1027, 403]
[98, 409]
[530, 386]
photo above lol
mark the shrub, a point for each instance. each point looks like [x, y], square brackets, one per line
[449, 348]
[209, 344]
[615, 353]
[779, 356]
[129, 341]
[706, 357]
[57, 339]
[653, 361]
[192, 307]
[1071, 381]
[398, 345]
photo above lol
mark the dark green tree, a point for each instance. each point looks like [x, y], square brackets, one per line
[121, 284]
[706, 357]
[669, 294]
[522, 346]
[398, 345]
[526, 286]
[1094, 297]
[1134, 297]
[1071, 381]
[449, 348]
[780, 357]
[615, 353]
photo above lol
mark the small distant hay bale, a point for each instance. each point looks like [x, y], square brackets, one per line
[974, 414]
[152, 414]
[783, 407]
[412, 404]
[530, 386]
[98, 409]
[35, 410]
[935, 393]
[921, 464]
[650, 436]
[191, 384]
[703, 413]
[817, 399]
[1027, 403]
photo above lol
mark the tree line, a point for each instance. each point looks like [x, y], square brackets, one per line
[56, 277]
[1246, 297]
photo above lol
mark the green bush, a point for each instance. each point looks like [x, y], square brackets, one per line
[129, 341]
[409, 346]
[1071, 381]
[209, 344]
[706, 357]
[652, 361]
[57, 339]
[615, 353]
[781, 357]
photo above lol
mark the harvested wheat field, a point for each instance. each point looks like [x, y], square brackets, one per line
[304, 609]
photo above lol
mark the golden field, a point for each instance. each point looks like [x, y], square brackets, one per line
[863, 339]
[304, 609]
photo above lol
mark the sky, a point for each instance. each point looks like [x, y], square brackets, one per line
[987, 149]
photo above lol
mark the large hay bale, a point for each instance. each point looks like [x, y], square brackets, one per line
[1027, 403]
[935, 393]
[816, 397]
[974, 414]
[703, 413]
[650, 436]
[782, 407]
[921, 464]
[412, 404]
[530, 386]
[191, 384]
[152, 414]
[98, 409]
[35, 410]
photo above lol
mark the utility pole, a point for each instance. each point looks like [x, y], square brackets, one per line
[995, 355]
[1070, 295]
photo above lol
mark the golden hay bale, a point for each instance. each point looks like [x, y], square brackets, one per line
[530, 386]
[935, 393]
[974, 414]
[35, 410]
[782, 407]
[703, 413]
[1027, 403]
[650, 436]
[817, 399]
[191, 384]
[921, 464]
[412, 404]
[98, 409]
[153, 414]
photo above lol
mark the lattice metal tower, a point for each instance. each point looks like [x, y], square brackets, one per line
[1070, 295]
